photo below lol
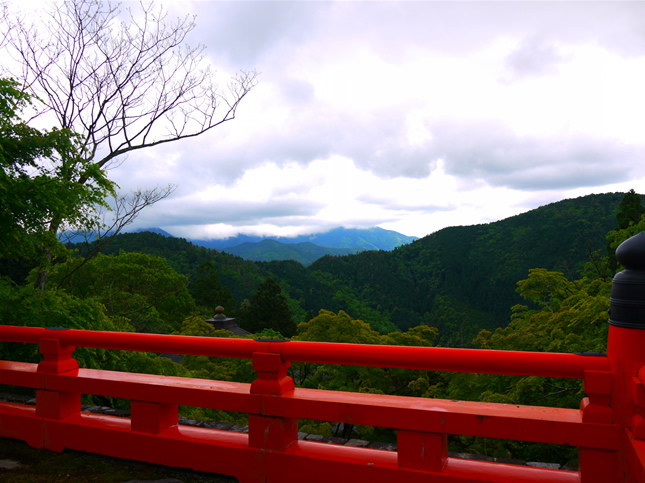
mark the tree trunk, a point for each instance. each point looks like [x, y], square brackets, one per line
[46, 259]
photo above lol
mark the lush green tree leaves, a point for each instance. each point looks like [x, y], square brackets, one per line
[34, 180]
[142, 289]
[631, 210]
[629, 214]
[208, 291]
[331, 327]
[28, 307]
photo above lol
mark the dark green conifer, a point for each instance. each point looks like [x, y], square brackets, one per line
[268, 309]
[630, 211]
[208, 291]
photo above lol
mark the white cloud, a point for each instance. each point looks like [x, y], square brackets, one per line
[408, 115]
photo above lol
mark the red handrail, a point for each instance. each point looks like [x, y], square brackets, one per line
[274, 407]
[543, 364]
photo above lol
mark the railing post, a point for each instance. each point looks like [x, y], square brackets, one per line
[422, 451]
[57, 360]
[626, 352]
[152, 417]
[264, 431]
[56, 405]
[595, 465]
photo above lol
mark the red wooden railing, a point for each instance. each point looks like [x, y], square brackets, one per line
[608, 429]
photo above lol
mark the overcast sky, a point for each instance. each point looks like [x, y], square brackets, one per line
[411, 116]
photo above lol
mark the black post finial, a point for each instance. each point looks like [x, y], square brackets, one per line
[627, 302]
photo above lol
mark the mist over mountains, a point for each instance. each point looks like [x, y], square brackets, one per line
[304, 248]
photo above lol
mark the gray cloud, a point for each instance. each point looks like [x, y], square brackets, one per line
[296, 91]
[491, 152]
[180, 211]
[245, 32]
[277, 38]
[271, 35]
[395, 205]
[534, 57]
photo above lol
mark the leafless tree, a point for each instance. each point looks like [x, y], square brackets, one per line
[120, 85]
[3, 20]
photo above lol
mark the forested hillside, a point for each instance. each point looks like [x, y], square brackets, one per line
[213, 278]
[459, 279]
[268, 250]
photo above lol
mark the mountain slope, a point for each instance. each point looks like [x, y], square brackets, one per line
[268, 250]
[463, 278]
[365, 238]
[460, 279]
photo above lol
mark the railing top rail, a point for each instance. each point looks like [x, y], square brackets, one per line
[402, 357]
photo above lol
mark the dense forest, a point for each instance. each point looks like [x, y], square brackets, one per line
[539, 281]
[459, 279]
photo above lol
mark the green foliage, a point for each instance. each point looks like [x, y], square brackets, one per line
[572, 318]
[141, 289]
[567, 316]
[461, 279]
[630, 211]
[214, 368]
[208, 291]
[194, 326]
[616, 237]
[629, 215]
[268, 309]
[35, 186]
[268, 334]
[28, 307]
[239, 277]
[331, 327]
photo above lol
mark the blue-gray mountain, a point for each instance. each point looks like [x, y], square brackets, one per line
[362, 238]
[304, 248]
[269, 250]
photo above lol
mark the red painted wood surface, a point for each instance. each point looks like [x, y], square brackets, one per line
[608, 428]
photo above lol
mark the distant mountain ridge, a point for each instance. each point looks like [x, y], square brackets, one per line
[364, 238]
[304, 248]
[269, 250]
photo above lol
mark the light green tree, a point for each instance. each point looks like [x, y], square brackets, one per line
[142, 289]
[34, 180]
[29, 307]
[561, 315]
[331, 327]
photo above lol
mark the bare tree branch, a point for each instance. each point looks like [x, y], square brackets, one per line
[121, 86]
[125, 211]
